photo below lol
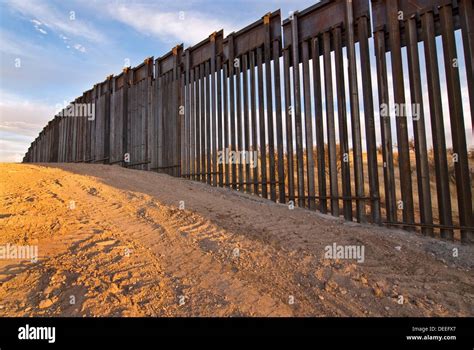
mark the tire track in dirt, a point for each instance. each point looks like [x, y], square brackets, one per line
[193, 267]
[131, 251]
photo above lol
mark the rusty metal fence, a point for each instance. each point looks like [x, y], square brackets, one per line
[352, 107]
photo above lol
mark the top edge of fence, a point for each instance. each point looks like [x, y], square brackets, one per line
[170, 53]
[105, 86]
[309, 9]
[206, 49]
[142, 71]
[322, 17]
[273, 16]
[411, 9]
[166, 63]
[252, 36]
[216, 34]
[145, 62]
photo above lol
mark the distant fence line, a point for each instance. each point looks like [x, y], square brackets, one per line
[269, 88]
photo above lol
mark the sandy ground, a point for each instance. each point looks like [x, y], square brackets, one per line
[124, 247]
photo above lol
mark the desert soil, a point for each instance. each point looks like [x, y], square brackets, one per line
[120, 242]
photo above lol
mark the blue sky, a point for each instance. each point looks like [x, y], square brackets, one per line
[52, 51]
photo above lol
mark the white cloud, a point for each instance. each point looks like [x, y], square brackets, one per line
[166, 25]
[10, 152]
[21, 120]
[37, 24]
[54, 19]
[23, 116]
[80, 48]
[13, 44]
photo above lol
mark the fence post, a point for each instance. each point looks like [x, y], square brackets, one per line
[355, 112]
[461, 166]
[401, 121]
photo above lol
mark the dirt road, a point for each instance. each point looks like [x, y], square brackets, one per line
[120, 242]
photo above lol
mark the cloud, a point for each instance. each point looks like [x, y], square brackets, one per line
[11, 152]
[54, 19]
[37, 24]
[23, 116]
[21, 120]
[80, 48]
[189, 27]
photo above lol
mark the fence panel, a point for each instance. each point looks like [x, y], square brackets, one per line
[406, 23]
[290, 112]
[139, 115]
[322, 34]
[118, 118]
[202, 128]
[102, 121]
[169, 114]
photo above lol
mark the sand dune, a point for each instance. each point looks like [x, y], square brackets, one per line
[119, 242]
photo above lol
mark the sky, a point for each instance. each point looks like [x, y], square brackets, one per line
[51, 51]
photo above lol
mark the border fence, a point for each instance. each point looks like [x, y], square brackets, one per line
[351, 107]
